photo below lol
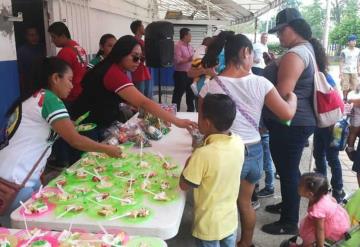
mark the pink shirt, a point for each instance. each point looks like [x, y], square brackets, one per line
[182, 52]
[336, 222]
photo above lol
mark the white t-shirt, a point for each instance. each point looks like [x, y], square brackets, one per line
[249, 92]
[259, 49]
[31, 138]
[351, 59]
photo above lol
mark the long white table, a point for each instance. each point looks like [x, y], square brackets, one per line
[166, 221]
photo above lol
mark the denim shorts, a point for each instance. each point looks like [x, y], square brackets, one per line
[253, 163]
[229, 241]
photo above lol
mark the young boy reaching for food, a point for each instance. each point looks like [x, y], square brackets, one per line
[213, 171]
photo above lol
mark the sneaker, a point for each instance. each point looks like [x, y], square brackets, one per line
[274, 209]
[339, 195]
[280, 228]
[277, 176]
[350, 151]
[265, 193]
[255, 204]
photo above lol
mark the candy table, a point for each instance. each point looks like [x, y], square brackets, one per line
[166, 217]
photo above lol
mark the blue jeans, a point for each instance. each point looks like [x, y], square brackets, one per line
[323, 152]
[268, 162]
[253, 163]
[286, 146]
[23, 195]
[229, 241]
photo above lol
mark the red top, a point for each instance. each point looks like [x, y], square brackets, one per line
[142, 72]
[116, 79]
[78, 62]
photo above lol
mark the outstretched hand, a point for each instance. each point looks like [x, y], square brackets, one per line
[185, 123]
[113, 151]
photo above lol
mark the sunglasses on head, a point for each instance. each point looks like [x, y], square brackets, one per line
[137, 58]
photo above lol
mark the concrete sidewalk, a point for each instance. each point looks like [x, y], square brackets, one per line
[261, 239]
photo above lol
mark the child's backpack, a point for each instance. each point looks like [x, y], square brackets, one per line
[340, 134]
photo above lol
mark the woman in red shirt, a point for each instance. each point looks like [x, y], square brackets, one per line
[107, 85]
[72, 53]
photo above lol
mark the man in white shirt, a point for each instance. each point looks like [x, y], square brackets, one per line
[259, 50]
[349, 66]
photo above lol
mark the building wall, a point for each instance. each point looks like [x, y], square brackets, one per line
[88, 20]
[9, 82]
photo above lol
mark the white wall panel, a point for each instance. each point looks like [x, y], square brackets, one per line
[7, 36]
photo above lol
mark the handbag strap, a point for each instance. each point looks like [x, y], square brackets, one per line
[35, 166]
[238, 106]
[313, 59]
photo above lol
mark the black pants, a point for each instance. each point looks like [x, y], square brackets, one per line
[286, 146]
[182, 85]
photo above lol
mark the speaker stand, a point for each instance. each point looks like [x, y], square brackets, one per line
[159, 85]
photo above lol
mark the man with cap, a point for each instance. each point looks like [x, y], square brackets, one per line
[349, 66]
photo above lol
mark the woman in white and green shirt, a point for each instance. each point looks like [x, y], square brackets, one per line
[43, 116]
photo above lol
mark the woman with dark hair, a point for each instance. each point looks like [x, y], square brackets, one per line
[107, 41]
[107, 85]
[292, 73]
[43, 116]
[250, 92]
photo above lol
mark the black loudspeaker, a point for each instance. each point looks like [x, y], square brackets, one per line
[159, 44]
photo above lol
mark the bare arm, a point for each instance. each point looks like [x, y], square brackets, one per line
[137, 99]
[290, 69]
[182, 183]
[320, 232]
[356, 102]
[285, 110]
[65, 128]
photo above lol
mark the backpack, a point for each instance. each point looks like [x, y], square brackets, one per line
[328, 105]
[10, 126]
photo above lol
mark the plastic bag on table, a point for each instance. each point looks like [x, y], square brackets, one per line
[133, 133]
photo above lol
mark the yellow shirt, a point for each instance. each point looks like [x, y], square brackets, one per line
[215, 169]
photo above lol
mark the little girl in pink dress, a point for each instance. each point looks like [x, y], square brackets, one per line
[325, 218]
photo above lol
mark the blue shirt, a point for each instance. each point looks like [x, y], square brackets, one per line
[330, 80]
[218, 69]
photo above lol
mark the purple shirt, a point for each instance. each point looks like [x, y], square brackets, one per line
[182, 52]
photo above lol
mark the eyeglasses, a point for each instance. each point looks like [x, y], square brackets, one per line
[137, 58]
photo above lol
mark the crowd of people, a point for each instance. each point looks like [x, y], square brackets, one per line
[255, 111]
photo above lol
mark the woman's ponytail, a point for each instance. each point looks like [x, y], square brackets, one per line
[216, 46]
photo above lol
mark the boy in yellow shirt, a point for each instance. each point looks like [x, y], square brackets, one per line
[214, 172]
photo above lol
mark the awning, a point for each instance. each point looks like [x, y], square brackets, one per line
[233, 11]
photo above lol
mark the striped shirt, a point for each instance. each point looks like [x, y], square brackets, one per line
[32, 137]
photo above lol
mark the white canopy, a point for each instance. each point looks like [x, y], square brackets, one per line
[234, 11]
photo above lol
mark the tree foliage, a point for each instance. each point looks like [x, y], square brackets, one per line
[315, 15]
[349, 23]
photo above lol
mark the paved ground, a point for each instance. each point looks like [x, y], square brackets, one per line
[261, 239]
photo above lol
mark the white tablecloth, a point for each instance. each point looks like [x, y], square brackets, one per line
[166, 221]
